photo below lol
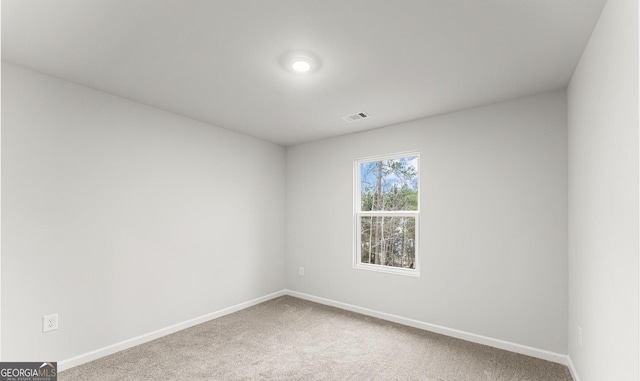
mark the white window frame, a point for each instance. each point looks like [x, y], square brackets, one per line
[358, 213]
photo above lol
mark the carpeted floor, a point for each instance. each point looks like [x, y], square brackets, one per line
[293, 339]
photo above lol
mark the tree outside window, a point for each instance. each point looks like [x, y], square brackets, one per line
[387, 213]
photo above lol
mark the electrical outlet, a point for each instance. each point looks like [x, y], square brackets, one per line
[49, 323]
[580, 336]
[301, 271]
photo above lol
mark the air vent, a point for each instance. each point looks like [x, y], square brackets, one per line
[354, 117]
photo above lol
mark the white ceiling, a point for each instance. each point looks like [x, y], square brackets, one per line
[218, 61]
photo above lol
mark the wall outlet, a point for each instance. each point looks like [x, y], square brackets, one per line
[49, 323]
[580, 336]
[301, 271]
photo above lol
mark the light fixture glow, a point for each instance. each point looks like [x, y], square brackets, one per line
[301, 66]
[300, 62]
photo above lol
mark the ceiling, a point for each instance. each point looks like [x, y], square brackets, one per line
[219, 61]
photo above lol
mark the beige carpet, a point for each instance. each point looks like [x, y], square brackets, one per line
[292, 339]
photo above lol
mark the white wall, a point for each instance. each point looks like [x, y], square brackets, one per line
[125, 219]
[603, 200]
[493, 228]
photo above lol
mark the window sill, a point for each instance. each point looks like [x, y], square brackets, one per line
[388, 269]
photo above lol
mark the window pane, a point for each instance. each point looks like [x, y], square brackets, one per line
[390, 185]
[388, 241]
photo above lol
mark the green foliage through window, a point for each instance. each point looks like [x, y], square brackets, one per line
[388, 241]
[389, 184]
[388, 211]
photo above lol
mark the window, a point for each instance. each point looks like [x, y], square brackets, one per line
[387, 213]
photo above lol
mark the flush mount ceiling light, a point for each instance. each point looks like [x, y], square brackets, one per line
[300, 63]
[301, 66]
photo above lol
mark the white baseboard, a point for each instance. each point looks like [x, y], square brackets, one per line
[496, 343]
[94, 355]
[572, 369]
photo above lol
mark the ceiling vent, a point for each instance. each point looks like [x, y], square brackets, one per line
[354, 117]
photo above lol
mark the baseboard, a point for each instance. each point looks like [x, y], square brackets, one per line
[117, 347]
[472, 337]
[496, 343]
[572, 369]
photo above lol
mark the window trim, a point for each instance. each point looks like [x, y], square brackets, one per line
[358, 213]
